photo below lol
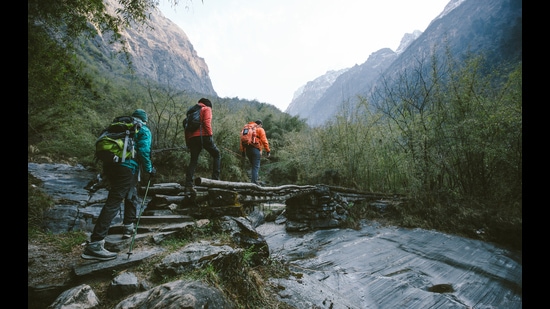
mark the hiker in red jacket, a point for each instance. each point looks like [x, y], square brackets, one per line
[202, 139]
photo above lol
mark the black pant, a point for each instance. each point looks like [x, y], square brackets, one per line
[195, 145]
[123, 185]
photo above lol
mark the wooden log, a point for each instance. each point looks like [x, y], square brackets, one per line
[270, 198]
[166, 185]
[160, 199]
[237, 186]
[170, 188]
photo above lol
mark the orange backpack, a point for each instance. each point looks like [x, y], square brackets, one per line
[248, 134]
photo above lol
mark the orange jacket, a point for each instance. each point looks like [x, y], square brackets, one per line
[262, 139]
[206, 126]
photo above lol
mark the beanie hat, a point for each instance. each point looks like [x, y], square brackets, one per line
[206, 102]
[259, 122]
[141, 114]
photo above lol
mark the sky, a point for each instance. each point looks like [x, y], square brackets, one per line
[265, 50]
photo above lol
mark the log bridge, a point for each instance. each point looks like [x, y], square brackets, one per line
[305, 207]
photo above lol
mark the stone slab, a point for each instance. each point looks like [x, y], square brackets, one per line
[122, 261]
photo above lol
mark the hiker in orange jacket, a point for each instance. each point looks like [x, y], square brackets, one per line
[253, 151]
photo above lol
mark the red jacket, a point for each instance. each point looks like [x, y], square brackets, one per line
[206, 126]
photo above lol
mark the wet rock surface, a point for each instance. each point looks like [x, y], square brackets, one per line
[373, 267]
[389, 267]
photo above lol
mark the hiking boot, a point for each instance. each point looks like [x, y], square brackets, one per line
[95, 251]
[128, 230]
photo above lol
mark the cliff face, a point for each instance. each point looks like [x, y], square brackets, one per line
[160, 52]
[165, 54]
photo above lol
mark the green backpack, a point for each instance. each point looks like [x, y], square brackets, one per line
[116, 142]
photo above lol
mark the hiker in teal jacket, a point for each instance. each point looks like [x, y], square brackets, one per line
[123, 179]
[143, 143]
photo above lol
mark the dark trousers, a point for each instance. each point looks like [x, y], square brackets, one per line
[123, 185]
[253, 154]
[196, 145]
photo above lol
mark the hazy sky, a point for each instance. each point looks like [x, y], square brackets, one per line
[265, 50]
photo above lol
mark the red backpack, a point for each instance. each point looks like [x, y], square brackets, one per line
[248, 134]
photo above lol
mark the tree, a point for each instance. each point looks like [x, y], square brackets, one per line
[68, 20]
[59, 88]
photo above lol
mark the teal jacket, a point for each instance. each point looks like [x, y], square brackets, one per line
[142, 145]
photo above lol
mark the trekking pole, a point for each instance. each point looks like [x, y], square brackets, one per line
[139, 216]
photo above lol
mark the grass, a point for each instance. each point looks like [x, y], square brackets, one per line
[37, 202]
[63, 242]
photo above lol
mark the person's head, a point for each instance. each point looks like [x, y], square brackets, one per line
[258, 122]
[206, 102]
[141, 114]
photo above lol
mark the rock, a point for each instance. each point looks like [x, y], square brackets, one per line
[81, 297]
[192, 256]
[123, 285]
[178, 294]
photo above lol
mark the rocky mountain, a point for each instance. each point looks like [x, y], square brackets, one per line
[306, 99]
[407, 39]
[492, 28]
[311, 93]
[161, 53]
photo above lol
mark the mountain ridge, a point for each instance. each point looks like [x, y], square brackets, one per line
[492, 28]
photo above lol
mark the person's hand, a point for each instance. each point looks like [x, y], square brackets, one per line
[152, 172]
[268, 154]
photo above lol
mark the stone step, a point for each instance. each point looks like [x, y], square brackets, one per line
[158, 212]
[165, 219]
[123, 261]
[157, 230]
[152, 226]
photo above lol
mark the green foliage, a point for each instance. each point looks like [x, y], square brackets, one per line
[208, 274]
[439, 134]
[71, 19]
[446, 134]
[248, 255]
[64, 242]
[174, 243]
